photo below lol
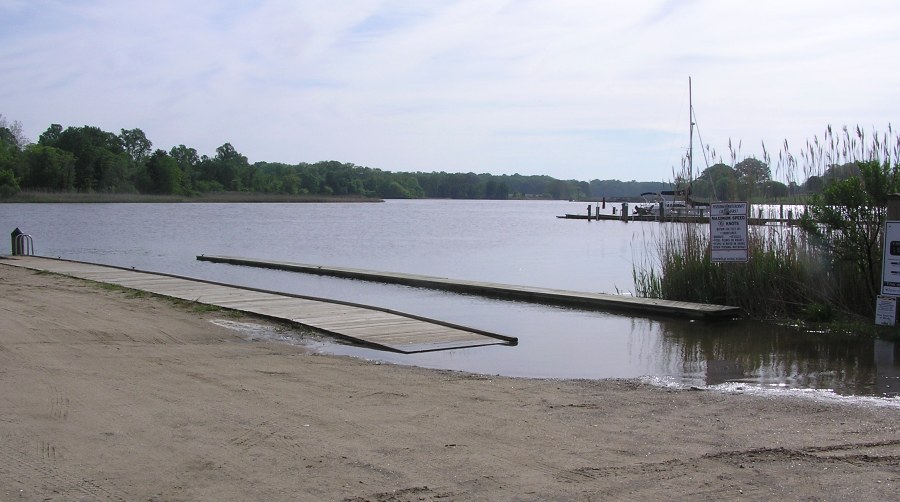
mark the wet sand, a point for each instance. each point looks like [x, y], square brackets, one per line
[109, 395]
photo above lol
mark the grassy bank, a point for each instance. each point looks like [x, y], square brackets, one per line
[219, 197]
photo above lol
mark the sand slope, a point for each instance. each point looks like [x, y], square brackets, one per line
[108, 396]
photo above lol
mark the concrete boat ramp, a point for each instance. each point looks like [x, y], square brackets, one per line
[371, 326]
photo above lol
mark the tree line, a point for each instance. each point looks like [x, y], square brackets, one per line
[88, 159]
[751, 180]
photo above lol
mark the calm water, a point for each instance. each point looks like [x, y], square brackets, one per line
[509, 242]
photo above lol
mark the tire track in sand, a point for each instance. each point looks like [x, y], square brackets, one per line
[33, 472]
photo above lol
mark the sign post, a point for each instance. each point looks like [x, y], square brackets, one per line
[886, 305]
[728, 238]
[890, 268]
[886, 310]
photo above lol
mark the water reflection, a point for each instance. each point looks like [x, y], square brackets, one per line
[770, 355]
[557, 342]
[513, 242]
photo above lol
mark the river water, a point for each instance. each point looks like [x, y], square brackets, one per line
[513, 242]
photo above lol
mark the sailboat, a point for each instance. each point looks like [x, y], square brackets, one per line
[667, 202]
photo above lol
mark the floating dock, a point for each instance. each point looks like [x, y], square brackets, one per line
[576, 299]
[375, 327]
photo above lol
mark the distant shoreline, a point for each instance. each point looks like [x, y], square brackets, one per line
[234, 197]
[211, 197]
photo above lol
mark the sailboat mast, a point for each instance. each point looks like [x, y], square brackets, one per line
[691, 128]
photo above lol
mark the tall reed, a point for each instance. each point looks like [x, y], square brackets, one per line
[792, 272]
[785, 276]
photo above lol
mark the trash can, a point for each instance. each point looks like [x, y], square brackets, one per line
[15, 242]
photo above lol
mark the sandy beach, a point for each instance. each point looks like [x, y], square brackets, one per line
[110, 395]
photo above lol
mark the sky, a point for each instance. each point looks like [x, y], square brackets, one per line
[574, 89]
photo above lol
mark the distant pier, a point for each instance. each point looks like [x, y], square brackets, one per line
[670, 218]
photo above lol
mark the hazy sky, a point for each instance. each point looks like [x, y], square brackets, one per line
[577, 89]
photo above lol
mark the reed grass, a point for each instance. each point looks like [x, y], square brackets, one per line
[816, 272]
[785, 276]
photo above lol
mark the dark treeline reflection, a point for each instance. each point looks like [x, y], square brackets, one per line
[780, 355]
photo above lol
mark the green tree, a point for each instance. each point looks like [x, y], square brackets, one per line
[394, 190]
[14, 132]
[838, 172]
[846, 220]
[752, 175]
[136, 145]
[814, 184]
[101, 163]
[8, 184]
[311, 181]
[228, 168]
[717, 182]
[188, 161]
[290, 184]
[10, 153]
[51, 136]
[49, 168]
[774, 190]
[494, 189]
[163, 174]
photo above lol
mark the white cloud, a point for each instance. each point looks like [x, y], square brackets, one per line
[574, 89]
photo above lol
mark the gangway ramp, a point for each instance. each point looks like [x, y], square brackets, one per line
[372, 326]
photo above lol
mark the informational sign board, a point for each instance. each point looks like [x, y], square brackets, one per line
[728, 232]
[886, 310]
[890, 264]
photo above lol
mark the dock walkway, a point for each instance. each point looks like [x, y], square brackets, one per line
[376, 327]
[577, 299]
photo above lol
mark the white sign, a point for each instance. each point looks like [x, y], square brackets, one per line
[886, 311]
[890, 264]
[728, 240]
